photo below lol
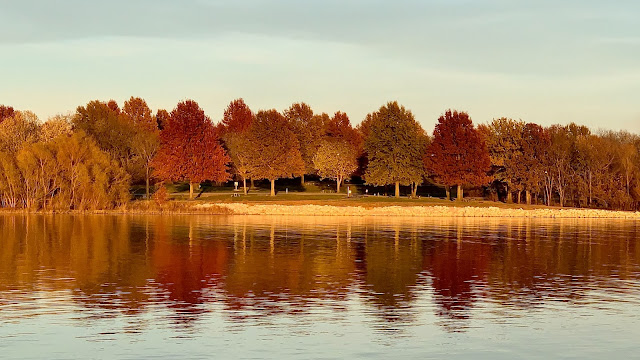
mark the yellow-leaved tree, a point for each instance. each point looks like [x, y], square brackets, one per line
[336, 159]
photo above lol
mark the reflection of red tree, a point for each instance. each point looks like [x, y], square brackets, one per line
[455, 268]
[187, 269]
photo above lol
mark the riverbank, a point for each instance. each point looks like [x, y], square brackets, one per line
[416, 211]
[356, 208]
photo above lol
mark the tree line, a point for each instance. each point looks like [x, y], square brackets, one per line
[90, 159]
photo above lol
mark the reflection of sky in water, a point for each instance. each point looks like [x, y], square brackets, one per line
[197, 287]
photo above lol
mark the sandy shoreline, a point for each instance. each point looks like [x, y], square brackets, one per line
[416, 211]
[432, 211]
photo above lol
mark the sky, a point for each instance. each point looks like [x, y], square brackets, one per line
[541, 61]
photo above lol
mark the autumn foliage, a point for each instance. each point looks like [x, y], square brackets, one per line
[339, 127]
[6, 112]
[190, 149]
[275, 148]
[457, 154]
[237, 117]
[535, 144]
[100, 156]
[336, 159]
[394, 145]
[162, 118]
[308, 129]
[67, 171]
[139, 114]
[235, 125]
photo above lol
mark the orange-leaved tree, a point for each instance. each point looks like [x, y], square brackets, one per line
[145, 137]
[276, 151]
[237, 117]
[457, 154]
[137, 110]
[236, 122]
[339, 127]
[189, 148]
[308, 129]
[102, 122]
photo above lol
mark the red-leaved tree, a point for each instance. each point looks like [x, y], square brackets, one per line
[6, 112]
[190, 149]
[234, 130]
[162, 118]
[113, 105]
[339, 127]
[457, 154]
[237, 117]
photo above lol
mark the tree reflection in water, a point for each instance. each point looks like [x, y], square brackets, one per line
[258, 269]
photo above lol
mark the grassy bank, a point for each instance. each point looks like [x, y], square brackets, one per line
[339, 205]
[343, 200]
[421, 211]
[320, 204]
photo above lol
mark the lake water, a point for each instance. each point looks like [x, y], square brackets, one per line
[188, 287]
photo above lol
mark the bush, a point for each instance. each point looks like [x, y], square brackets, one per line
[161, 195]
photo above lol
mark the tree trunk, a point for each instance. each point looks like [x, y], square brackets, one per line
[590, 190]
[627, 181]
[447, 190]
[528, 196]
[397, 189]
[460, 193]
[338, 182]
[414, 193]
[548, 188]
[518, 198]
[191, 186]
[147, 179]
[302, 180]
[253, 186]
[509, 196]
[244, 185]
[273, 187]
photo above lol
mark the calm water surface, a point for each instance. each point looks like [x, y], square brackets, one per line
[170, 287]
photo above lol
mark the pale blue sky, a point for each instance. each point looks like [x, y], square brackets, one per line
[541, 61]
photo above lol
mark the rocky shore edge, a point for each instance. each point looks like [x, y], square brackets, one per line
[415, 211]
